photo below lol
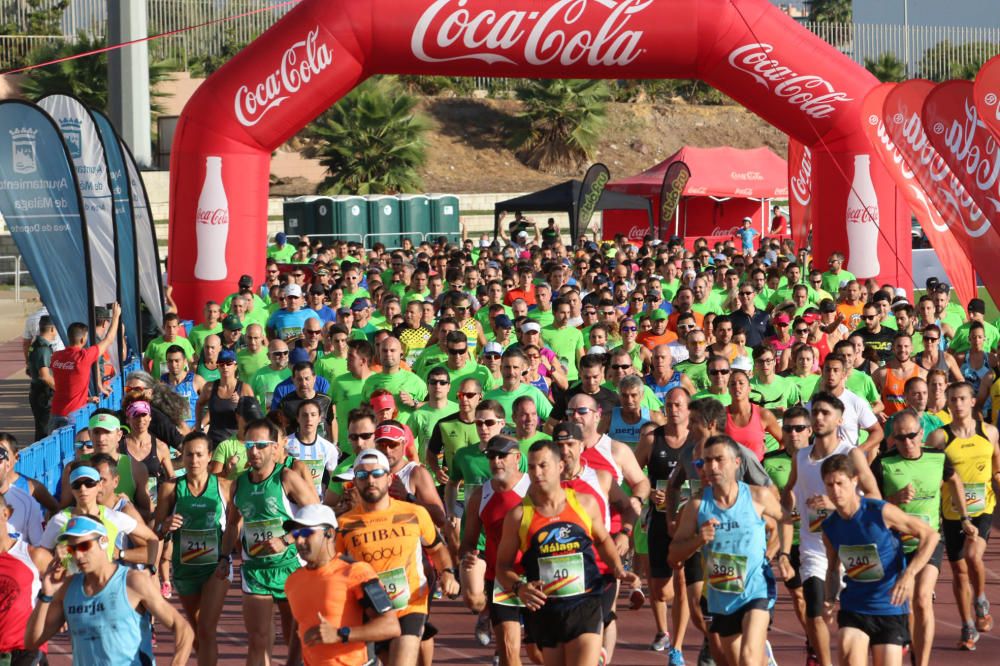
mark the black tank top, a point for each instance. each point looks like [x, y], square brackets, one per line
[221, 415]
[151, 461]
[662, 459]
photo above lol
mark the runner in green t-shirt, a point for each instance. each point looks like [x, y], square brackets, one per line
[565, 340]
[438, 406]
[267, 378]
[512, 366]
[346, 391]
[154, 358]
[211, 325]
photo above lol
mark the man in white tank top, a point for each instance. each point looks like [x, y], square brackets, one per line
[806, 490]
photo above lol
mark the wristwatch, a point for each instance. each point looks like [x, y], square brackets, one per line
[45, 598]
[344, 633]
[452, 570]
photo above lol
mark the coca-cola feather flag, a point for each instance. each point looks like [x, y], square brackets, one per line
[800, 186]
[902, 115]
[949, 249]
[986, 91]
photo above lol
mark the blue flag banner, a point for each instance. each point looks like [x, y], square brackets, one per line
[128, 276]
[41, 207]
[84, 142]
[147, 251]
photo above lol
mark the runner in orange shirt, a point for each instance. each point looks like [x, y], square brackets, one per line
[389, 534]
[338, 604]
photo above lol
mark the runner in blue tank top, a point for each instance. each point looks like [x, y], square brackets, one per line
[864, 535]
[727, 524]
[182, 382]
[624, 423]
[104, 596]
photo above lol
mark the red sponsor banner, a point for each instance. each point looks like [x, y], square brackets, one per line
[987, 93]
[949, 249]
[902, 115]
[800, 191]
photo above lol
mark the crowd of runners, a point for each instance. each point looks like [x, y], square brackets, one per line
[542, 431]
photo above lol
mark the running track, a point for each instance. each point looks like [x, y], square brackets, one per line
[456, 645]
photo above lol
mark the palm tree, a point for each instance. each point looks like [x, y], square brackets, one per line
[371, 142]
[562, 122]
[887, 68]
[85, 78]
[830, 11]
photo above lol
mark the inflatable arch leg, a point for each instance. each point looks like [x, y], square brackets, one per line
[323, 48]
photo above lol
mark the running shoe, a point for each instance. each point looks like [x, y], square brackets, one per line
[676, 657]
[705, 655]
[636, 599]
[660, 643]
[769, 653]
[984, 621]
[167, 590]
[969, 639]
[483, 629]
[603, 659]
[812, 659]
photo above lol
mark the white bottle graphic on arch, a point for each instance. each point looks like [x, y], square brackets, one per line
[862, 221]
[212, 224]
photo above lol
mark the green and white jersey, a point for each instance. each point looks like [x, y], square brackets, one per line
[264, 507]
[197, 543]
[893, 472]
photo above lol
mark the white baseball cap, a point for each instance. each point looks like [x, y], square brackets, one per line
[372, 456]
[293, 290]
[312, 515]
[529, 326]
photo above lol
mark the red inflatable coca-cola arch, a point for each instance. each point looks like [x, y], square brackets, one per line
[323, 48]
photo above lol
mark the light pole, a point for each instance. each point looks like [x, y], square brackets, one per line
[128, 78]
[906, 35]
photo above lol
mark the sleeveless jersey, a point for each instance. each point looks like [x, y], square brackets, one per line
[972, 458]
[126, 480]
[872, 556]
[17, 596]
[264, 507]
[661, 390]
[892, 392]
[196, 543]
[559, 551]
[586, 482]
[469, 328]
[750, 435]
[809, 482]
[209, 375]
[493, 508]
[975, 375]
[736, 566]
[662, 461]
[626, 432]
[405, 475]
[822, 347]
[103, 628]
[925, 473]
[600, 457]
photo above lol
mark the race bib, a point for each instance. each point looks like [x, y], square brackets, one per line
[661, 484]
[816, 518]
[199, 547]
[397, 586]
[562, 575]
[316, 468]
[502, 597]
[258, 533]
[151, 490]
[862, 563]
[726, 572]
[975, 498]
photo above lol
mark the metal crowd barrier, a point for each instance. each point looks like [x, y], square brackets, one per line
[44, 460]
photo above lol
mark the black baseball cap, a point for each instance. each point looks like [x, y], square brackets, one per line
[501, 444]
[977, 305]
[246, 282]
[567, 430]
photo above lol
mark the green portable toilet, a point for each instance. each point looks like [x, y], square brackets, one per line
[383, 221]
[350, 218]
[415, 217]
[444, 215]
[298, 216]
[324, 218]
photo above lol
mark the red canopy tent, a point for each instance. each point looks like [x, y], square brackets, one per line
[726, 185]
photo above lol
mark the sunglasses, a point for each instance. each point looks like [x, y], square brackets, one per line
[84, 483]
[83, 445]
[302, 532]
[746, 293]
[638, 300]
[621, 366]
[607, 313]
[456, 352]
[770, 359]
[931, 338]
[492, 355]
[868, 317]
[81, 547]
[793, 428]
[438, 382]
[364, 475]
[316, 332]
[355, 436]
[801, 331]
[263, 444]
[590, 313]
[718, 373]
[629, 329]
[489, 423]
[279, 353]
[582, 411]
[468, 395]
[493, 455]
[906, 435]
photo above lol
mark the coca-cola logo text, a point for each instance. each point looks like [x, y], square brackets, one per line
[814, 95]
[637, 232]
[801, 182]
[979, 158]
[300, 63]
[213, 216]
[862, 214]
[527, 36]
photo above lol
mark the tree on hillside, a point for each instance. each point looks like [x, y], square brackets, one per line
[562, 122]
[85, 78]
[830, 11]
[40, 18]
[949, 60]
[887, 68]
[371, 141]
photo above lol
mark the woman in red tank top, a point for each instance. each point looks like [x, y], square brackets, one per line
[745, 421]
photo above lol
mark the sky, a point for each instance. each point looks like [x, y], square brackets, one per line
[929, 12]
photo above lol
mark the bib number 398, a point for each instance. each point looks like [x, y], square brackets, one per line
[726, 572]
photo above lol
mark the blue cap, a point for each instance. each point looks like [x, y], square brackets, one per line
[280, 238]
[360, 304]
[81, 526]
[298, 355]
[503, 321]
[227, 355]
[84, 472]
